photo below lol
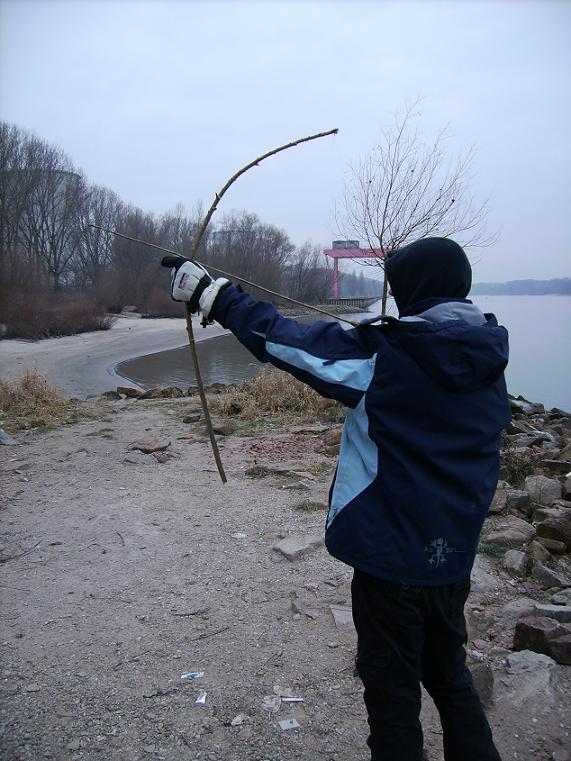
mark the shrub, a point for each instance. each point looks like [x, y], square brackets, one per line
[273, 393]
[42, 317]
[30, 402]
[516, 463]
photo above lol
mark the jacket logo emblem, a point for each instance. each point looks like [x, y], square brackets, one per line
[438, 549]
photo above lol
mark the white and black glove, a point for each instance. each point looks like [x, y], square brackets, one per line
[191, 282]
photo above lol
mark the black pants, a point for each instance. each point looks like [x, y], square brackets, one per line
[409, 635]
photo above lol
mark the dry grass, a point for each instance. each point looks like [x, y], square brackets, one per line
[274, 393]
[30, 402]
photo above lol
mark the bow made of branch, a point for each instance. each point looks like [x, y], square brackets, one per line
[195, 247]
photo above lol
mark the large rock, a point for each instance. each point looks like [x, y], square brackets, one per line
[561, 649]
[552, 545]
[554, 523]
[549, 578]
[132, 393]
[518, 500]
[510, 532]
[516, 562]
[164, 392]
[482, 580]
[294, 547]
[561, 598]
[483, 678]
[542, 489]
[529, 679]
[557, 467]
[498, 502]
[512, 611]
[527, 408]
[567, 488]
[561, 613]
[538, 633]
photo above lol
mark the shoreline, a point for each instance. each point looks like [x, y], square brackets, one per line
[85, 364]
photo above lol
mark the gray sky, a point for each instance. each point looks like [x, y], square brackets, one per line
[163, 100]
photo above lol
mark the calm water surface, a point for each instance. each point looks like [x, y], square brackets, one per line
[539, 368]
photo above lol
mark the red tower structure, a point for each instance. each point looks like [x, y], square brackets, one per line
[348, 249]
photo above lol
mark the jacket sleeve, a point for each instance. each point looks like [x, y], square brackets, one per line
[337, 363]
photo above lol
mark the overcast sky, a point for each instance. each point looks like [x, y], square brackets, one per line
[162, 101]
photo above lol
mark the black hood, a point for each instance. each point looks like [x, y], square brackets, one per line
[431, 268]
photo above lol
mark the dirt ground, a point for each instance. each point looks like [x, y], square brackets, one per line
[121, 575]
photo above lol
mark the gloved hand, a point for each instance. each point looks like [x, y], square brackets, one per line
[191, 282]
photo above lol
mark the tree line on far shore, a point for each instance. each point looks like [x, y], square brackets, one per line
[59, 276]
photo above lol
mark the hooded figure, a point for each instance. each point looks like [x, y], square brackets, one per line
[425, 403]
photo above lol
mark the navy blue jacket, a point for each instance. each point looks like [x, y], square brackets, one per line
[426, 403]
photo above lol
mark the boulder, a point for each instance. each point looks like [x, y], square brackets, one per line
[482, 580]
[552, 545]
[567, 487]
[547, 577]
[561, 598]
[554, 523]
[518, 500]
[483, 678]
[510, 532]
[529, 679]
[111, 396]
[527, 408]
[516, 562]
[537, 551]
[561, 649]
[132, 393]
[536, 633]
[163, 392]
[542, 489]
[515, 609]
[561, 613]
[557, 467]
[499, 502]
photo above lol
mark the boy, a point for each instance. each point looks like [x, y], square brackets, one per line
[418, 466]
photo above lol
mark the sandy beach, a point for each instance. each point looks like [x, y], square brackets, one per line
[85, 364]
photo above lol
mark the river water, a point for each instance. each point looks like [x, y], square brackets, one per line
[539, 368]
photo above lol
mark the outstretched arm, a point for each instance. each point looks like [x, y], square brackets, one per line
[337, 363]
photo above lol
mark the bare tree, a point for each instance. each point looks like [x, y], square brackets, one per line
[94, 255]
[308, 279]
[407, 189]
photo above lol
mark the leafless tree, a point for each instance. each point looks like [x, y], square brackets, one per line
[102, 207]
[308, 277]
[250, 248]
[407, 189]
